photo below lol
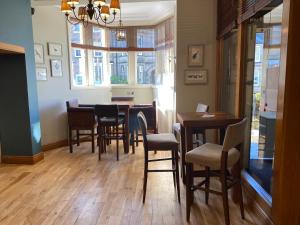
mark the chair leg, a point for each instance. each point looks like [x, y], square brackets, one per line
[93, 140]
[99, 146]
[173, 167]
[70, 141]
[225, 197]
[177, 174]
[189, 192]
[77, 137]
[207, 181]
[145, 176]
[240, 191]
[117, 135]
[137, 137]
[204, 137]
[133, 143]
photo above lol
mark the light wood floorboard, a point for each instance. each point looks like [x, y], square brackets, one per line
[78, 189]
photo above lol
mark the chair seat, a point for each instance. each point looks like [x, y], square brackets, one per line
[122, 114]
[210, 155]
[176, 127]
[165, 141]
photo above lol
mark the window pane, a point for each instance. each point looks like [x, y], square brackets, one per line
[98, 36]
[78, 67]
[145, 67]
[119, 68]
[98, 67]
[114, 43]
[145, 38]
[76, 34]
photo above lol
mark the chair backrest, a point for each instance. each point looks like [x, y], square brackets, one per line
[235, 135]
[108, 111]
[202, 108]
[73, 103]
[122, 99]
[143, 125]
[81, 118]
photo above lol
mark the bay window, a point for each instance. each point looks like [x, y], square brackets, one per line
[145, 67]
[118, 67]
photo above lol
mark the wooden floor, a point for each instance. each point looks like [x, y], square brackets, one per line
[78, 189]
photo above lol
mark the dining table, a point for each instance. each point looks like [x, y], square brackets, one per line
[192, 120]
[124, 107]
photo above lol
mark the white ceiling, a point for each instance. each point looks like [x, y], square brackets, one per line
[134, 12]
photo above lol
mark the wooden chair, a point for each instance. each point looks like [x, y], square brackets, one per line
[159, 142]
[217, 160]
[81, 119]
[149, 111]
[108, 117]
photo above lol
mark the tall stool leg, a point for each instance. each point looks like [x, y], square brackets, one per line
[93, 140]
[173, 167]
[145, 176]
[225, 197]
[189, 192]
[207, 181]
[177, 173]
[117, 135]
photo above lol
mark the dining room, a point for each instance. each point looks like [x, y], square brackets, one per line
[149, 112]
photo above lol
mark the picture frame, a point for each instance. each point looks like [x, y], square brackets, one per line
[54, 49]
[56, 67]
[39, 53]
[196, 55]
[194, 77]
[41, 73]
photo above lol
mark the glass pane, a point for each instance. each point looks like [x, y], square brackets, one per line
[77, 34]
[79, 67]
[98, 67]
[228, 85]
[145, 38]
[262, 78]
[114, 43]
[145, 67]
[119, 68]
[98, 36]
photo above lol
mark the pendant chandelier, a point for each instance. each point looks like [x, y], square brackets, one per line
[97, 10]
[121, 32]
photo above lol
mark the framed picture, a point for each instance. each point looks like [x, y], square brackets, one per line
[39, 53]
[195, 77]
[55, 49]
[196, 55]
[56, 68]
[41, 74]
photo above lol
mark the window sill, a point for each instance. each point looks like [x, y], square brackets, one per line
[114, 86]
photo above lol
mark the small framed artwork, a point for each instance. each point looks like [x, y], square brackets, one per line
[55, 49]
[56, 68]
[41, 74]
[195, 77]
[39, 53]
[196, 55]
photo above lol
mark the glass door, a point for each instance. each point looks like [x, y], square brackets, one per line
[261, 90]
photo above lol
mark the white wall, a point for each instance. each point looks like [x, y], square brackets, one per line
[196, 24]
[49, 26]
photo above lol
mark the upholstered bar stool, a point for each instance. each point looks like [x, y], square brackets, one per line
[159, 142]
[217, 160]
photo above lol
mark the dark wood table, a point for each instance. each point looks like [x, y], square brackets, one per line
[190, 120]
[123, 107]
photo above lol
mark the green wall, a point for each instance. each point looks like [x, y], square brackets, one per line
[19, 113]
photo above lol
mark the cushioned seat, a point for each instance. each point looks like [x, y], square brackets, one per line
[165, 141]
[210, 155]
[176, 127]
[111, 120]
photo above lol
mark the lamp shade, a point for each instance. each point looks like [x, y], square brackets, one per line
[65, 7]
[105, 11]
[73, 2]
[99, 2]
[115, 5]
[82, 13]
